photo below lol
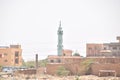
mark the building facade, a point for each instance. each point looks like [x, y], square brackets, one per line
[59, 59]
[11, 56]
[67, 52]
[105, 49]
[93, 49]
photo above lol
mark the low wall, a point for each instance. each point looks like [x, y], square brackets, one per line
[51, 68]
[27, 72]
[96, 67]
[75, 67]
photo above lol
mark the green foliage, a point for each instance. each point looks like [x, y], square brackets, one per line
[43, 62]
[23, 62]
[77, 78]
[61, 71]
[88, 62]
[87, 65]
[31, 64]
[0, 67]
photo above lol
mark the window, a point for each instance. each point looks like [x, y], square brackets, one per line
[105, 48]
[90, 48]
[16, 53]
[114, 48]
[5, 60]
[59, 60]
[16, 61]
[52, 61]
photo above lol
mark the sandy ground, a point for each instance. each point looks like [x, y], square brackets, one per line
[48, 77]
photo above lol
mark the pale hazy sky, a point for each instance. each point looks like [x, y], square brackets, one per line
[34, 24]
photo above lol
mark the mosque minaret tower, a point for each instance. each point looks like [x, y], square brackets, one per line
[60, 40]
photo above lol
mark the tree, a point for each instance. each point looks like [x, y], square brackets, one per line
[87, 66]
[0, 67]
[61, 71]
[31, 64]
[77, 78]
[23, 62]
[43, 62]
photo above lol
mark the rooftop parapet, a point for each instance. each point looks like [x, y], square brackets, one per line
[15, 46]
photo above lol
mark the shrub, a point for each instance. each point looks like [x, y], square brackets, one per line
[0, 68]
[61, 71]
[77, 78]
[87, 66]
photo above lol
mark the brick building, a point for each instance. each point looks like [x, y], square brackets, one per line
[11, 56]
[75, 65]
[67, 52]
[93, 49]
[105, 49]
[58, 59]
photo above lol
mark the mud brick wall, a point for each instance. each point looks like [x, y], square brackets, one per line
[27, 72]
[96, 67]
[106, 60]
[51, 68]
[100, 63]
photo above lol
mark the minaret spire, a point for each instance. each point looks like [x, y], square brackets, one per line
[60, 40]
[60, 24]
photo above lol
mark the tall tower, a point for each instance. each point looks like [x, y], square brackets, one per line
[60, 40]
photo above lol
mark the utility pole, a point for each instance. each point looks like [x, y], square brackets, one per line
[36, 65]
[36, 62]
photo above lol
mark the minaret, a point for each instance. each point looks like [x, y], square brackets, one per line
[60, 40]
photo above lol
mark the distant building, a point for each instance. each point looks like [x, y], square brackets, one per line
[93, 49]
[67, 52]
[11, 56]
[62, 59]
[105, 49]
[59, 59]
